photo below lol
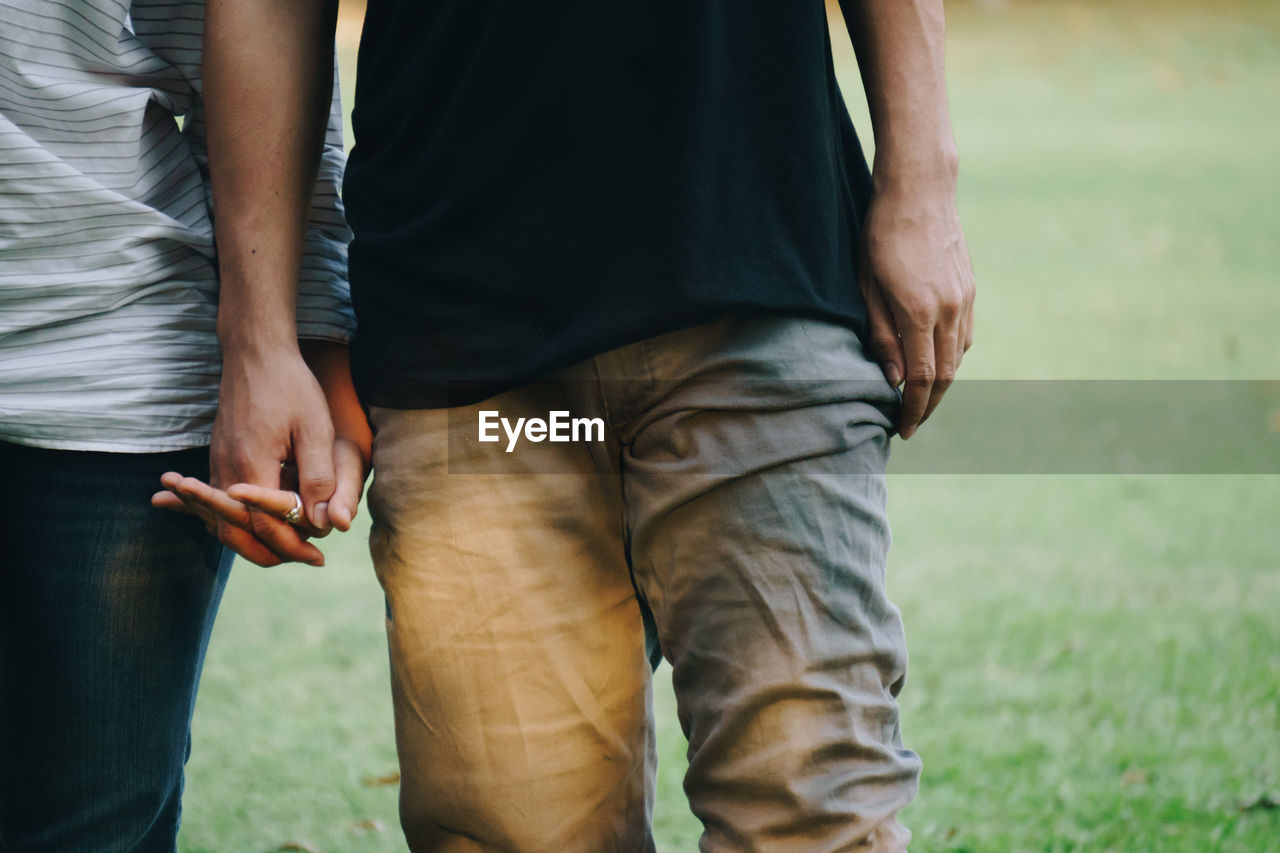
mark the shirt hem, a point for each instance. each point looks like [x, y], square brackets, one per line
[105, 446]
[387, 389]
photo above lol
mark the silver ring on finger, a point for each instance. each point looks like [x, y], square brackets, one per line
[294, 515]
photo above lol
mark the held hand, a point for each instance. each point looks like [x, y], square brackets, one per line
[218, 510]
[243, 506]
[271, 411]
[351, 468]
[917, 280]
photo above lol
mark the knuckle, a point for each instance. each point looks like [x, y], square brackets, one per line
[919, 308]
[923, 318]
[322, 483]
[261, 525]
[949, 310]
[921, 374]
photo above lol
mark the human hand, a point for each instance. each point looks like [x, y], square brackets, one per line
[272, 413]
[220, 512]
[351, 468]
[236, 506]
[917, 280]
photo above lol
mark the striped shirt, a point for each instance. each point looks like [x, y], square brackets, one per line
[108, 279]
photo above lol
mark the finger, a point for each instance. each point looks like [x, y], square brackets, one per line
[313, 453]
[243, 543]
[169, 479]
[946, 352]
[174, 502]
[269, 545]
[275, 503]
[283, 539]
[921, 370]
[200, 500]
[886, 347]
[199, 494]
[165, 499]
[203, 500]
[350, 470]
[212, 521]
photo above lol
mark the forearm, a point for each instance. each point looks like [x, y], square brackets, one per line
[267, 83]
[900, 50]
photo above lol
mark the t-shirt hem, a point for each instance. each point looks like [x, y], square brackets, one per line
[419, 390]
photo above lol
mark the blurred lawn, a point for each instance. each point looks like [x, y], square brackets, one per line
[1095, 660]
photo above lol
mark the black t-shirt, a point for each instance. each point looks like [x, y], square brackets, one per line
[535, 183]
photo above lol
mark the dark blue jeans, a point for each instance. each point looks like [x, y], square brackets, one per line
[106, 606]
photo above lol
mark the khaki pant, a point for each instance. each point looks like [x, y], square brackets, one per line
[738, 498]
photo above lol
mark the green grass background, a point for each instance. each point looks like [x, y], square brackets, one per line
[1095, 659]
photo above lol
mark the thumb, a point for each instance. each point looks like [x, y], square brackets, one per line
[313, 453]
[350, 469]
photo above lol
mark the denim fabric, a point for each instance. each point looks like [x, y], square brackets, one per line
[106, 605]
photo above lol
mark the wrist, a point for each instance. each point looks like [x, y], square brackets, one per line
[244, 333]
[249, 348]
[916, 173]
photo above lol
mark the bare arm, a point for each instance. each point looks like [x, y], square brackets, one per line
[267, 83]
[915, 269]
